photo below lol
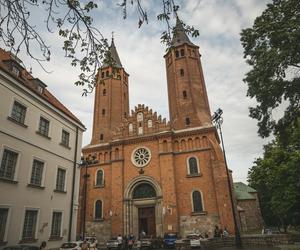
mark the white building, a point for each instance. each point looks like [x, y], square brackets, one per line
[40, 147]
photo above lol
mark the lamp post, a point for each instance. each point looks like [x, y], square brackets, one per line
[85, 162]
[218, 120]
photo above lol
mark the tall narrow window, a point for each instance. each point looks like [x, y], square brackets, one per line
[150, 123]
[3, 222]
[29, 227]
[187, 121]
[8, 164]
[99, 178]
[103, 111]
[182, 52]
[107, 73]
[44, 126]
[130, 127]
[104, 92]
[177, 53]
[184, 94]
[193, 166]
[18, 112]
[65, 138]
[181, 72]
[197, 202]
[102, 74]
[60, 179]
[56, 224]
[98, 210]
[101, 137]
[37, 173]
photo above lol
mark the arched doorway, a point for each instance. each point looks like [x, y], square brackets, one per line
[142, 207]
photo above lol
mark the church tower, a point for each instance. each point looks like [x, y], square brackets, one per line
[111, 97]
[188, 102]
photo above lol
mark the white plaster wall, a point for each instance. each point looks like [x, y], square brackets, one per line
[29, 145]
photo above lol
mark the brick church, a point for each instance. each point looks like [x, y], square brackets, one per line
[152, 175]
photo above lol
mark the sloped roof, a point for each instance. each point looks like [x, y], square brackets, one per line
[26, 79]
[114, 56]
[243, 191]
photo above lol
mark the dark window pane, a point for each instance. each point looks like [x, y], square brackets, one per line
[44, 126]
[18, 112]
[60, 179]
[193, 166]
[197, 202]
[3, 221]
[56, 224]
[99, 181]
[65, 137]
[144, 191]
[37, 172]
[98, 209]
[8, 164]
[29, 226]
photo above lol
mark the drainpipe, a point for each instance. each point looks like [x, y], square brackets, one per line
[73, 185]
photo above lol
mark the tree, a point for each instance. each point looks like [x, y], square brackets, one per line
[272, 49]
[276, 177]
[73, 19]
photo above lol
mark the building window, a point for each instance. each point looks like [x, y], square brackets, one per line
[60, 179]
[103, 111]
[29, 227]
[130, 127]
[187, 121]
[125, 114]
[101, 137]
[99, 178]
[18, 112]
[181, 72]
[104, 92]
[182, 52]
[37, 173]
[197, 202]
[107, 73]
[65, 138]
[184, 94]
[15, 71]
[98, 210]
[140, 117]
[149, 123]
[102, 74]
[3, 223]
[44, 126]
[56, 224]
[177, 53]
[193, 166]
[8, 164]
[140, 130]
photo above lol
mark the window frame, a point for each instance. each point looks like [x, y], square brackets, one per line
[43, 173]
[51, 236]
[94, 215]
[188, 166]
[7, 223]
[67, 145]
[65, 180]
[36, 224]
[96, 178]
[12, 109]
[202, 202]
[4, 147]
[39, 131]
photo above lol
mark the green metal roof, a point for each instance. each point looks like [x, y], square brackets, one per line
[243, 191]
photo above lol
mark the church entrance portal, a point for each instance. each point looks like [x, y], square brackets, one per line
[147, 220]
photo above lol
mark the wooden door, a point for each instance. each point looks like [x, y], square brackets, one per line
[147, 221]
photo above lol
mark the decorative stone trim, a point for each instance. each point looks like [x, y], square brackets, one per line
[16, 122]
[193, 175]
[59, 191]
[45, 136]
[35, 186]
[198, 213]
[65, 146]
[99, 186]
[8, 180]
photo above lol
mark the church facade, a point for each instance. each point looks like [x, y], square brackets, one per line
[152, 175]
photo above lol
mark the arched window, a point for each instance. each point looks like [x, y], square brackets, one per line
[98, 210]
[104, 92]
[182, 52]
[193, 166]
[149, 123]
[100, 178]
[184, 94]
[181, 72]
[130, 127]
[177, 53]
[165, 146]
[197, 202]
[101, 137]
[140, 117]
[144, 190]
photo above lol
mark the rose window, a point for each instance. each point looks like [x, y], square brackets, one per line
[141, 157]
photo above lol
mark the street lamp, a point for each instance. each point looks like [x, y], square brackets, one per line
[218, 120]
[85, 162]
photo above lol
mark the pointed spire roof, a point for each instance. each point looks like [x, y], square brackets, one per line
[179, 36]
[114, 56]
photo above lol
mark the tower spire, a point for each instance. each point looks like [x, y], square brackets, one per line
[179, 36]
[114, 56]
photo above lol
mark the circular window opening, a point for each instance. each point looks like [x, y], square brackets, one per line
[141, 157]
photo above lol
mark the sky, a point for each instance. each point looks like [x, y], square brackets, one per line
[219, 23]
